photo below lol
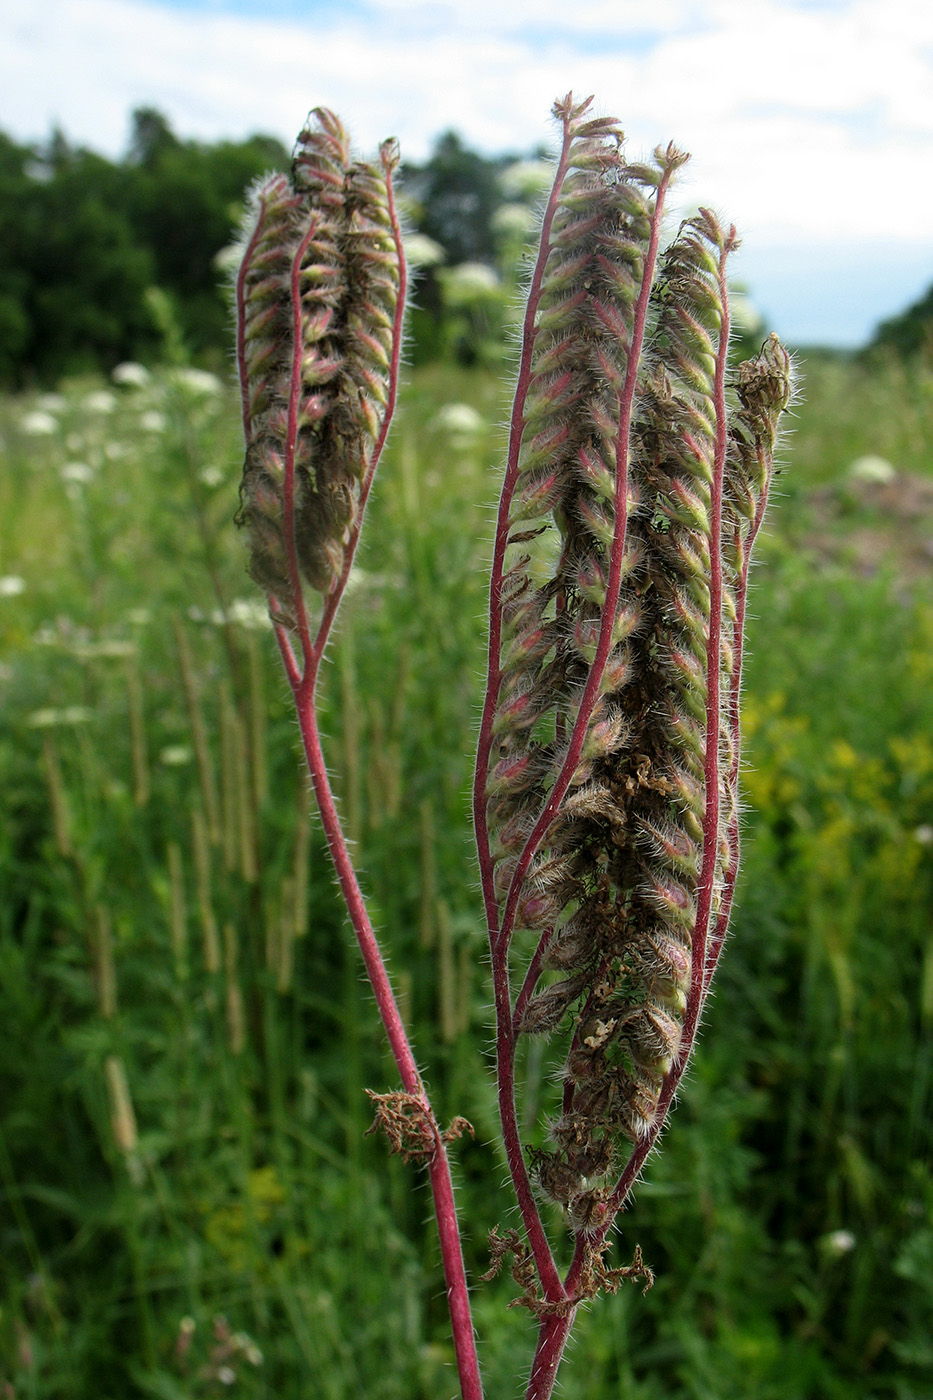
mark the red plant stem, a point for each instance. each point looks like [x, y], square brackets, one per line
[597, 670]
[521, 1182]
[552, 1338]
[735, 732]
[291, 439]
[241, 321]
[505, 1033]
[698, 981]
[712, 757]
[494, 671]
[289, 660]
[438, 1166]
[349, 888]
[332, 602]
[532, 977]
[303, 684]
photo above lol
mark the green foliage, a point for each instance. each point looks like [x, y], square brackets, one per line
[454, 197]
[911, 332]
[184, 201]
[83, 240]
[789, 1219]
[479, 212]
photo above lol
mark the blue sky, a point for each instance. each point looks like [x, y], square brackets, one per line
[810, 121]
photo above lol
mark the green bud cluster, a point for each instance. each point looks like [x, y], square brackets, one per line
[612, 887]
[317, 292]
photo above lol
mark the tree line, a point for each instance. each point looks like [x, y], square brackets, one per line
[103, 261]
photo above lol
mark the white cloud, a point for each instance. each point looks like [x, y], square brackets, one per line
[807, 120]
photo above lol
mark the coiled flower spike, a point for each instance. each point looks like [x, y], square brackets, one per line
[605, 797]
[605, 791]
[317, 295]
[320, 294]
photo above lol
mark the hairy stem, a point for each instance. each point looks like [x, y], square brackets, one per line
[333, 599]
[517, 423]
[594, 679]
[439, 1174]
[304, 497]
[505, 1035]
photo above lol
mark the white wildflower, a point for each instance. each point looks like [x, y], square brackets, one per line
[839, 1242]
[116, 646]
[211, 476]
[38, 423]
[75, 714]
[526, 179]
[77, 473]
[113, 451]
[226, 1375]
[459, 419]
[924, 834]
[152, 421]
[745, 316]
[228, 259]
[11, 585]
[51, 718]
[871, 469]
[108, 646]
[251, 613]
[100, 401]
[357, 579]
[74, 442]
[513, 220]
[175, 755]
[422, 251]
[197, 381]
[131, 375]
[51, 403]
[470, 279]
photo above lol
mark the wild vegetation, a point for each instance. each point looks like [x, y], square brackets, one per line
[190, 1201]
[186, 1035]
[104, 260]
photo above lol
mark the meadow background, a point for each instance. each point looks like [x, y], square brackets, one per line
[190, 1206]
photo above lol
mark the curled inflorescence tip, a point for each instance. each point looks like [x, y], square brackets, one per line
[317, 296]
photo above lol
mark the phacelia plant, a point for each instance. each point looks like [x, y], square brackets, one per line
[605, 794]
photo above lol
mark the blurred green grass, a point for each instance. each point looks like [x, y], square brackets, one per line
[186, 1032]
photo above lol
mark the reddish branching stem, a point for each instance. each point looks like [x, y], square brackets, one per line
[302, 669]
[604, 796]
[687, 433]
[501, 927]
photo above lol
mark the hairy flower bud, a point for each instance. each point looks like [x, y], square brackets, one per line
[316, 295]
[643, 463]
